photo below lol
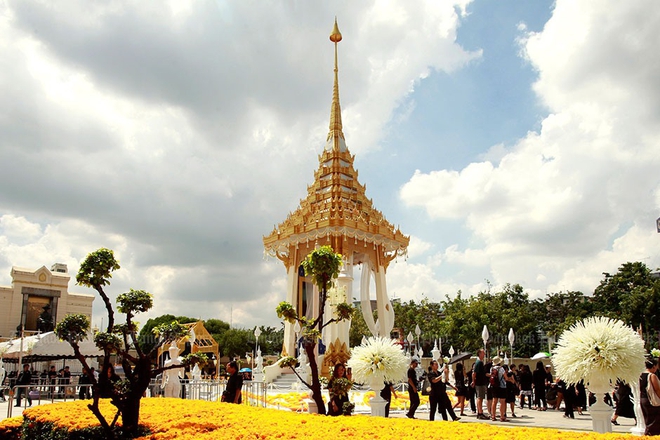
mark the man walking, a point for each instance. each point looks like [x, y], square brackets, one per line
[24, 378]
[480, 383]
[233, 393]
[412, 388]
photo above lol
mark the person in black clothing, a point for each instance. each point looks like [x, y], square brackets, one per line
[650, 413]
[461, 387]
[525, 386]
[539, 378]
[52, 379]
[580, 397]
[471, 392]
[624, 405]
[413, 393]
[438, 397]
[570, 396]
[107, 389]
[233, 392]
[336, 404]
[386, 393]
[24, 378]
[512, 389]
[83, 391]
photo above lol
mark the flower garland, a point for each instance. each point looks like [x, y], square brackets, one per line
[378, 360]
[599, 350]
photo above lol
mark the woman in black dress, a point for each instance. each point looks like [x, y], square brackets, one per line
[336, 404]
[651, 413]
[538, 380]
[525, 386]
[461, 387]
[624, 405]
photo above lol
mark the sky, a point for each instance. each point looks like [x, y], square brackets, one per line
[515, 142]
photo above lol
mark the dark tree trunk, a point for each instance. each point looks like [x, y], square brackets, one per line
[316, 383]
[130, 415]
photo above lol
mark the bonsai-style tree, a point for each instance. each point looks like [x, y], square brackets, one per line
[322, 265]
[125, 395]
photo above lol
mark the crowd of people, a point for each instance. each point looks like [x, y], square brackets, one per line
[494, 391]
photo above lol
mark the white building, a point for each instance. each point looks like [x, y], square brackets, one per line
[34, 291]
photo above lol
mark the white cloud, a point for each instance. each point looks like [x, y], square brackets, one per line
[178, 136]
[548, 211]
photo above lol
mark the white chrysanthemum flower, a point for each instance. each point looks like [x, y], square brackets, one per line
[599, 350]
[378, 360]
[655, 353]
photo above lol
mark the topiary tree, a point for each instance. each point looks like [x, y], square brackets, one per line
[322, 265]
[139, 369]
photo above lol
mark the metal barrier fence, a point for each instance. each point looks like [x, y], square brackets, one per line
[253, 393]
[38, 393]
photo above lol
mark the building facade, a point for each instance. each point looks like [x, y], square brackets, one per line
[39, 299]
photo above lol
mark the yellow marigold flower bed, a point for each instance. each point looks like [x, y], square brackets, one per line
[10, 428]
[190, 419]
[297, 400]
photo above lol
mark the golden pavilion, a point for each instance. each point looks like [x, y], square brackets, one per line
[337, 212]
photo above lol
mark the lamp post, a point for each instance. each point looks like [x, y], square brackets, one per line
[485, 336]
[512, 338]
[257, 333]
[418, 331]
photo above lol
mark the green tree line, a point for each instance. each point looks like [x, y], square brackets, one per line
[631, 295]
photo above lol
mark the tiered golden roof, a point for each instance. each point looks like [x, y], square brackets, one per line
[336, 210]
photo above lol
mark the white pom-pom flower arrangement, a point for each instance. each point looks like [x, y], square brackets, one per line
[378, 360]
[600, 351]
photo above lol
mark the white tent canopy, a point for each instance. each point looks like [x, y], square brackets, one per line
[47, 346]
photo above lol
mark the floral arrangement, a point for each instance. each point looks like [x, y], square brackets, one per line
[170, 419]
[347, 408]
[340, 386]
[599, 350]
[655, 353]
[378, 360]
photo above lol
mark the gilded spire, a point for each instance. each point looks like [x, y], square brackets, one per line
[335, 133]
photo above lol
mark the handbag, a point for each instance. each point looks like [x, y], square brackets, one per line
[426, 387]
[654, 399]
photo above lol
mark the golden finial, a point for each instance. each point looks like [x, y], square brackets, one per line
[335, 36]
[335, 109]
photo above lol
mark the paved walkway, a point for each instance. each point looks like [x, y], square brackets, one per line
[526, 417]
[536, 419]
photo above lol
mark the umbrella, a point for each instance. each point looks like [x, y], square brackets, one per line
[541, 355]
[245, 370]
[459, 357]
